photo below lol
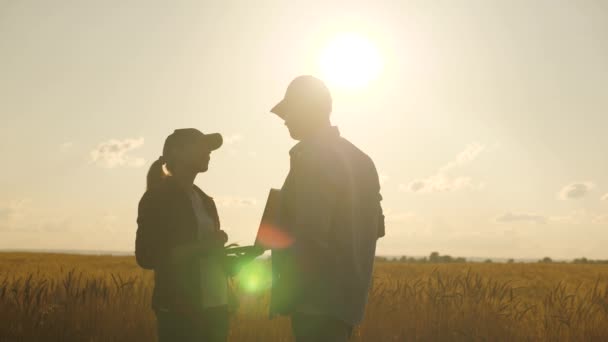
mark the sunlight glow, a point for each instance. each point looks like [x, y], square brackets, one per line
[350, 61]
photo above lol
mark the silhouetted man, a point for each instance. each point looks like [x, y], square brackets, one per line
[330, 208]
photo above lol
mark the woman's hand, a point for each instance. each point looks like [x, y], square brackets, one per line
[232, 265]
[221, 236]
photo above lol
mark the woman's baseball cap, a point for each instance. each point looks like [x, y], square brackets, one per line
[186, 136]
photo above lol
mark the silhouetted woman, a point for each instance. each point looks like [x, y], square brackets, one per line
[179, 237]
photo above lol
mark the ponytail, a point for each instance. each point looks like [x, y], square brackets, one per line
[156, 174]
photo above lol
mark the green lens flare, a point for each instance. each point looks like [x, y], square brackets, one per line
[255, 277]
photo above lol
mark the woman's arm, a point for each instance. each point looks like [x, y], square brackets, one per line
[151, 246]
[211, 244]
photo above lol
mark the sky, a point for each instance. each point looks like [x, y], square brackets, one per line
[487, 121]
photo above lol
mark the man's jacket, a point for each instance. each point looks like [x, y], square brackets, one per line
[330, 207]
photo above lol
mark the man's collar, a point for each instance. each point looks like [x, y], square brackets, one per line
[317, 138]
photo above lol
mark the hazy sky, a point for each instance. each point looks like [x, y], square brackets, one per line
[488, 123]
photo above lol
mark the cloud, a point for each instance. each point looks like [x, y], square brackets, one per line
[605, 197]
[442, 180]
[233, 139]
[600, 219]
[109, 222]
[52, 225]
[231, 201]
[581, 217]
[383, 178]
[414, 186]
[66, 146]
[5, 213]
[398, 217]
[521, 217]
[470, 153]
[576, 190]
[114, 153]
[19, 215]
[15, 209]
[438, 183]
[27, 216]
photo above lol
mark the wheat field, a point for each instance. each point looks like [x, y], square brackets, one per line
[53, 297]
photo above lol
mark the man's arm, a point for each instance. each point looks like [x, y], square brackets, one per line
[381, 226]
[374, 189]
[315, 199]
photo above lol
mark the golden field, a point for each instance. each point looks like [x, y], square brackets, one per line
[53, 297]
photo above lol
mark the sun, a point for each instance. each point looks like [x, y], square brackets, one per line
[350, 61]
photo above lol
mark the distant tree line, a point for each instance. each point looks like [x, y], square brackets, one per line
[433, 258]
[436, 258]
[583, 260]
